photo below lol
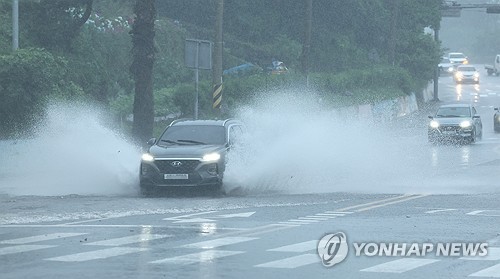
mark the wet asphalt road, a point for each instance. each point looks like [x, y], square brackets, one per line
[456, 199]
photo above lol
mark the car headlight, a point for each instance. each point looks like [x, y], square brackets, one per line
[459, 75]
[465, 124]
[476, 75]
[434, 124]
[147, 157]
[211, 157]
[450, 69]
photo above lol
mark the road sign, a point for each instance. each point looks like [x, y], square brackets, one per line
[198, 54]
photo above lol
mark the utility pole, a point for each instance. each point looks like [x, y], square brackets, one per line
[217, 69]
[15, 25]
[306, 48]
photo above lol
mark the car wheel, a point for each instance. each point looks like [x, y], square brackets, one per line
[147, 190]
[472, 138]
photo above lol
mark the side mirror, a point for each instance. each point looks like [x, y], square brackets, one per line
[496, 109]
[430, 117]
[151, 141]
[476, 116]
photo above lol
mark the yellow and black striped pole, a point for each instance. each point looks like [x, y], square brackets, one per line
[217, 96]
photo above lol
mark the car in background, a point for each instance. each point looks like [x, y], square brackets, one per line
[466, 73]
[189, 153]
[458, 58]
[445, 66]
[496, 120]
[455, 122]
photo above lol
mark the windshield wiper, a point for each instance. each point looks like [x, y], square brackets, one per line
[191, 141]
[169, 141]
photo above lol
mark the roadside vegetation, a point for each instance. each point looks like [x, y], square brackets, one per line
[362, 51]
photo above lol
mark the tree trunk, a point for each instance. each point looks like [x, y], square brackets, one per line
[143, 52]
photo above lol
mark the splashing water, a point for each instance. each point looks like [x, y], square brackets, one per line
[71, 153]
[296, 145]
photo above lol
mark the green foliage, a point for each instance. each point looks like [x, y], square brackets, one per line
[377, 77]
[28, 78]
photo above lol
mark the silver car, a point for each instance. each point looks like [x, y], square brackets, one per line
[466, 73]
[455, 122]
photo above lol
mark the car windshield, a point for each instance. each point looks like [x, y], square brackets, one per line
[194, 134]
[467, 69]
[457, 55]
[453, 112]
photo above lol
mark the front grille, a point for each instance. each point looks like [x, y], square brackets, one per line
[186, 166]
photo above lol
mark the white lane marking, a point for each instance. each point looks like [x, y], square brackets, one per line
[408, 198]
[98, 254]
[303, 221]
[316, 218]
[38, 238]
[243, 214]
[493, 272]
[332, 215]
[195, 220]
[339, 212]
[440, 210]
[368, 203]
[210, 244]
[493, 255]
[400, 266]
[297, 247]
[22, 248]
[289, 223]
[485, 213]
[205, 256]
[129, 239]
[188, 215]
[111, 226]
[292, 262]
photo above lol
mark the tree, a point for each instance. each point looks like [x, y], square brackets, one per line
[143, 52]
[55, 23]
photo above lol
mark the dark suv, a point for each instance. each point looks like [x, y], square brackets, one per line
[189, 153]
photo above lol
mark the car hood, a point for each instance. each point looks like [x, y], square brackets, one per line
[184, 151]
[451, 120]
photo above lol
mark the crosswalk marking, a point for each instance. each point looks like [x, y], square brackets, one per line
[308, 221]
[209, 244]
[205, 256]
[318, 218]
[22, 248]
[98, 254]
[493, 271]
[129, 239]
[399, 266]
[297, 247]
[493, 255]
[290, 223]
[292, 262]
[38, 238]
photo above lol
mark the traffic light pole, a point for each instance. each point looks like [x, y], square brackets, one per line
[436, 71]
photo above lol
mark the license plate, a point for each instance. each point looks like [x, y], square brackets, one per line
[175, 176]
[449, 132]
